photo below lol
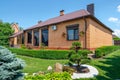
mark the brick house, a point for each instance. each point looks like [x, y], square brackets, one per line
[61, 31]
[14, 38]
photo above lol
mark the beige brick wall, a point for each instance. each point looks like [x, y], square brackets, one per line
[15, 40]
[56, 40]
[98, 35]
[15, 27]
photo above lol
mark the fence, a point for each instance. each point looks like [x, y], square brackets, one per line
[117, 42]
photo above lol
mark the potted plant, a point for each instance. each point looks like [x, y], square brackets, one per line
[81, 33]
[63, 34]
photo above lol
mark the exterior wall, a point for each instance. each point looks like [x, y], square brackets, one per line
[57, 40]
[15, 27]
[13, 41]
[98, 35]
[19, 39]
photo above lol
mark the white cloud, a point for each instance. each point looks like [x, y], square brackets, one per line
[117, 32]
[118, 8]
[113, 19]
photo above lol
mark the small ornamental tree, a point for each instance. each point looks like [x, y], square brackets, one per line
[76, 46]
[10, 66]
[75, 56]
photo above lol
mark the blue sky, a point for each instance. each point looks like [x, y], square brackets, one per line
[28, 12]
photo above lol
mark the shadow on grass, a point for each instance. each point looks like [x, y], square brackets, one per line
[112, 68]
[109, 67]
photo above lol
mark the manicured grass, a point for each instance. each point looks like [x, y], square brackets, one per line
[36, 64]
[109, 66]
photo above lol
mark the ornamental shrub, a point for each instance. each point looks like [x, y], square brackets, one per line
[75, 56]
[10, 66]
[50, 76]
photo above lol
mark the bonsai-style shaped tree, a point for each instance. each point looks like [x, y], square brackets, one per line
[75, 56]
[10, 66]
[76, 46]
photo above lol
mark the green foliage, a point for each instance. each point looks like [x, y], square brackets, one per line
[23, 46]
[98, 53]
[42, 46]
[10, 66]
[102, 51]
[5, 32]
[108, 67]
[50, 76]
[76, 46]
[43, 54]
[76, 56]
[79, 57]
[116, 38]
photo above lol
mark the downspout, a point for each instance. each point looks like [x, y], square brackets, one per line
[85, 25]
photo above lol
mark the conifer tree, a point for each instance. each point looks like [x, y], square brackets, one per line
[10, 66]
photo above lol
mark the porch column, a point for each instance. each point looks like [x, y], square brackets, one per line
[40, 37]
[25, 38]
[32, 38]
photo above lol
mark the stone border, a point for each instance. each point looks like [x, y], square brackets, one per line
[93, 72]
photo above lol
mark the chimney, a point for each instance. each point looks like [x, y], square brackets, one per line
[39, 21]
[90, 8]
[61, 12]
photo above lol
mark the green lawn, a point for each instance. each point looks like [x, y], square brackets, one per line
[36, 64]
[109, 67]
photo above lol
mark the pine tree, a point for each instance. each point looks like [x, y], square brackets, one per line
[10, 66]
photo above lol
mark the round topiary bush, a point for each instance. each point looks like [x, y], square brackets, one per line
[10, 66]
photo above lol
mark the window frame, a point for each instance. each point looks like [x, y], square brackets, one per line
[36, 31]
[42, 31]
[72, 27]
[29, 41]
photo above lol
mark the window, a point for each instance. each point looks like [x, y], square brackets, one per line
[36, 37]
[72, 32]
[45, 37]
[29, 37]
[22, 38]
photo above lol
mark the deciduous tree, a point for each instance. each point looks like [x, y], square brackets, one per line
[5, 32]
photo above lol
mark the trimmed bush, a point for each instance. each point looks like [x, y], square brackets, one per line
[102, 51]
[44, 54]
[98, 53]
[50, 76]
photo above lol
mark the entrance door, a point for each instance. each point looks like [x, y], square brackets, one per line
[45, 37]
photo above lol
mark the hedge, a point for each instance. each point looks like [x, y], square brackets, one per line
[102, 51]
[45, 54]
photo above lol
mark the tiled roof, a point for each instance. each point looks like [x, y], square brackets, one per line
[16, 34]
[65, 17]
